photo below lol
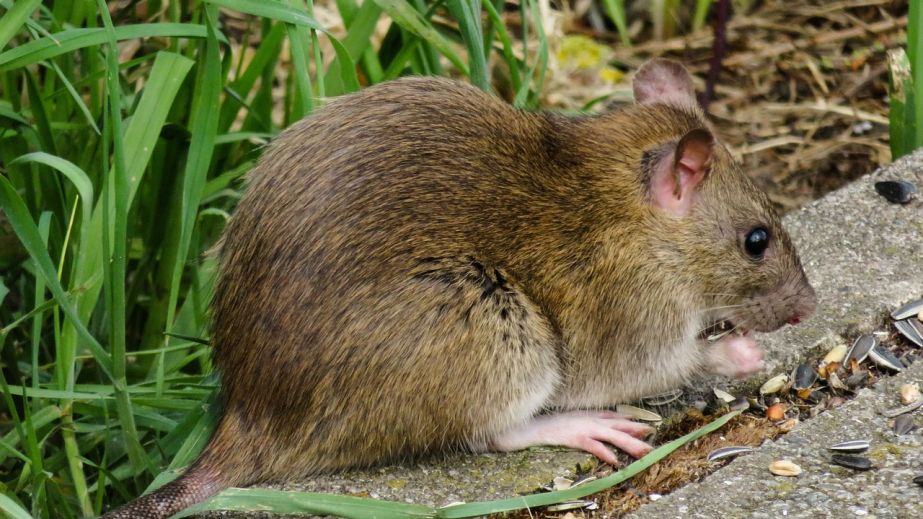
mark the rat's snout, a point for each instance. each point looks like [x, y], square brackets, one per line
[800, 294]
[789, 302]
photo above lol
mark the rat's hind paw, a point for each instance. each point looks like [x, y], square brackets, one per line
[591, 431]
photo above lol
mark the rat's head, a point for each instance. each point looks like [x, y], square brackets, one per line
[720, 228]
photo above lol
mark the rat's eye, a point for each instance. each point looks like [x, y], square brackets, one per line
[756, 242]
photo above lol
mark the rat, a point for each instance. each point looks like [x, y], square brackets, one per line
[421, 268]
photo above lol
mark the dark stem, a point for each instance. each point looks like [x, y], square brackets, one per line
[719, 48]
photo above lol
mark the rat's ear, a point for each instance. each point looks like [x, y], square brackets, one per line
[663, 80]
[676, 177]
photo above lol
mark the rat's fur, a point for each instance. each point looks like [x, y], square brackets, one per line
[419, 267]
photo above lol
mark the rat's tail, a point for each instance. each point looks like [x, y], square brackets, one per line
[211, 473]
[197, 484]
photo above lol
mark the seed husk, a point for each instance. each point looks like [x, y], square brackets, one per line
[910, 393]
[788, 425]
[885, 359]
[774, 385]
[852, 462]
[561, 483]
[909, 331]
[837, 354]
[896, 191]
[630, 411]
[833, 380]
[724, 396]
[857, 379]
[860, 349]
[784, 468]
[804, 376]
[903, 424]
[909, 310]
[663, 398]
[851, 446]
[727, 452]
[918, 480]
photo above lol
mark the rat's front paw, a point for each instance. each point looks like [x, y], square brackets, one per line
[736, 356]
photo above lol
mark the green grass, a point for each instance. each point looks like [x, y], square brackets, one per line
[906, 88]
[119, 171]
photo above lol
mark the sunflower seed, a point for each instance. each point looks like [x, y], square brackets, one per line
[903, 424]
[727, 452]
[740, 404]
[851, 446]
[860, 348]
[896, 191]
[913, 406]
[883, 358]
[774, 385]
[724, 396]
[630, 411]
[910, 331]
[909, 310]
[572, 505]
[585, 479]
[804, 376]
[852, 462]
[784, 468]
[663, 398]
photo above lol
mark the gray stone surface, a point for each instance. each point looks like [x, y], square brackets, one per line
[864, 257]
[745, 487]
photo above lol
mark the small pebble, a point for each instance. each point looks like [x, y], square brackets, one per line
[910, 393]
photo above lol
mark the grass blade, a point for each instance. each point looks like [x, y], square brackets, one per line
[278, 11]
[13, 20]
[260, 499]
[118, 235]
[616, 11]
[73, 39]
[26, 230]
[468, 14]
[204, 128]
[12, 509]
[915, 53]
[410, 19]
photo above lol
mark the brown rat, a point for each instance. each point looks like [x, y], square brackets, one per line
[420, 267]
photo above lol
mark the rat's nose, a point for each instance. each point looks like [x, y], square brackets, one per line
[794, 320]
